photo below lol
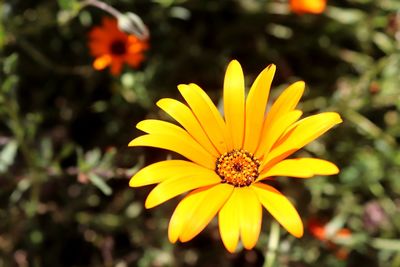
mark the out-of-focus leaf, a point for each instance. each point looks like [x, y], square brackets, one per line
[68, 4]
[10, 64]
[345, 15]
[69, 10]
[92, 158]
[2, 36]
[100, 184]
[386, 44]
[7, 155]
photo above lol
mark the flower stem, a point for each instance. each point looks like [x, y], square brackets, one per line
[101, 5]
[270, 255]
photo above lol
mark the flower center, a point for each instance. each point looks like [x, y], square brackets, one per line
[118, 47]
[238, 168]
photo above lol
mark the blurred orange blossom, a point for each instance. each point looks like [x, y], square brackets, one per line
[112, 47]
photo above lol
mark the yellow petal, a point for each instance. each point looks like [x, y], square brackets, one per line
[234, 102]
[159, 127]
[301, 168]
[274, 130]
[164, 170]
[286, 102]
[208, 116]
[183, 115]
[300, 134]
[181, 184]
[229, 225]
[250, 216]
[184, 211]
[102, 62]
[203, 213]
[179, 143]
[256, 104]
[280, 208]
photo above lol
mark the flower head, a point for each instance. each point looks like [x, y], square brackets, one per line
[112, 47]
[308, 6]
[230, 159]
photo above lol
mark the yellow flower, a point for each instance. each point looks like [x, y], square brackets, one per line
[229, 160]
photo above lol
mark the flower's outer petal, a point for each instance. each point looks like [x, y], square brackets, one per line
[286, 102]
[180, 143]
[229, 225]
[184, 211]
[164, 170]
[256, 104]
[276, 128]
[208, 116]
[300, 134]
[301, 168]
[308, 6]
[280, 208]
[183, 115]
[116, 66]
[213, 200]
[102, 62]
[234, 106]
[250, 216]
[178, 185]
[152, 126]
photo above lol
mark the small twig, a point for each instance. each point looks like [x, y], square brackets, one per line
[49, 64]
[109, 9]
[129, 22]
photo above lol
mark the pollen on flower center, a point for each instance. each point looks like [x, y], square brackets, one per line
[238, 168]
[118, 47]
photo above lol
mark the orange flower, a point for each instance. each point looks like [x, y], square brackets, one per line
[318, 229]
[112, 47]
[308, 6]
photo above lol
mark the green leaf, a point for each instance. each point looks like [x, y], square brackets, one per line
[100, 184]
[10, 64]
[345, 15]
[7, 155]
[384, 43]
[68, 4]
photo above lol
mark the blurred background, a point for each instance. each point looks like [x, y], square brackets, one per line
[64, 130]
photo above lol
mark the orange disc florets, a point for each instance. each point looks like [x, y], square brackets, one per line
[238, 168]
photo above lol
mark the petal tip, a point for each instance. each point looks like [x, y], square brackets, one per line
[132, 182]
[149, 203]
[134, 142]
[182, 87]
[271, 67]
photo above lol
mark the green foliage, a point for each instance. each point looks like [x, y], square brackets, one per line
[64, 129]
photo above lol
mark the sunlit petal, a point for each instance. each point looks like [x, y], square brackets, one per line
[301, 168]
[256, 104]
[179, 143]
[234, 102]
[302, 133]
[280, 208]
[213, 200]
[208, 116]
[229, 225]
[184, 211]
[180, 184]
[250, 216]
[276, 128]
[164, 170]
[183, 115]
